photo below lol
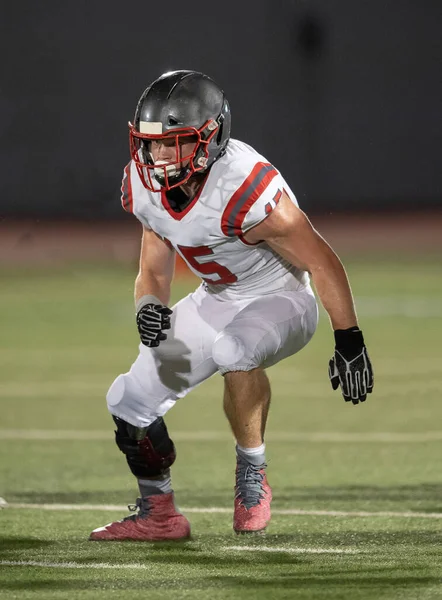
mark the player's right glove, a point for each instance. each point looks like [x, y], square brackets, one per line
[350, 366]
[153, 318]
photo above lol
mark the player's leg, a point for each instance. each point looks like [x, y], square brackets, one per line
[261, 334]
[267, 330]
[137, 401]
[247, 418]
[246, 405]
[149, 453]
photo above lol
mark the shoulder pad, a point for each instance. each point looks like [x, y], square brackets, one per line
[261, 184]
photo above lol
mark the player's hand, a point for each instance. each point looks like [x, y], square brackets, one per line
[153, 318]
[350, 366]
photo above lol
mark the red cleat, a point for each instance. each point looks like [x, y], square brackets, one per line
[157, 520]
[252, 498]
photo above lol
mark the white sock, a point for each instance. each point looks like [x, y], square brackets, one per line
[256, 456]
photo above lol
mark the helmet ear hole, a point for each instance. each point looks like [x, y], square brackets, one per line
[172, 121]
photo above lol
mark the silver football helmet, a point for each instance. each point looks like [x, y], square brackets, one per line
[186, 106]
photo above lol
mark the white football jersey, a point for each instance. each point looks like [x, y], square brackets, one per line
[241, 190]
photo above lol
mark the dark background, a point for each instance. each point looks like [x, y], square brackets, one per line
[343, 96]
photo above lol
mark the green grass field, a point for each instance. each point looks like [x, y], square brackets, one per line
[66, 334]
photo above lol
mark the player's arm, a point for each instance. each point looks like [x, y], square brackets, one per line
[152, 288]
[157, 264]
[288, 231]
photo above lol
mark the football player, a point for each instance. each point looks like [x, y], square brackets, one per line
[232, 217]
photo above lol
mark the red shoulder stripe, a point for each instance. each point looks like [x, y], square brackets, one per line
[244, 198]
[127, 200]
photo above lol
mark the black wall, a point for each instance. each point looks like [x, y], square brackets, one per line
[343, 96]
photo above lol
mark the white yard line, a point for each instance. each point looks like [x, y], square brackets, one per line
[74, 565]
[223, 510]
[217, 436]
[290, 550]
[393, 384]
[60, 389]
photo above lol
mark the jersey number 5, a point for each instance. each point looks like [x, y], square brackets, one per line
[207, 268]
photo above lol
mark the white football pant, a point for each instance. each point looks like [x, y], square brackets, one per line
[209, 335]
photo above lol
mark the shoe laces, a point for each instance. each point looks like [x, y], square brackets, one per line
[249, 483]
[144, 509]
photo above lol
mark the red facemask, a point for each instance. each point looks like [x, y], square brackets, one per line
[164, 175]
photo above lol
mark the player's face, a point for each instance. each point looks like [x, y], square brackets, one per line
[167, 150]
[168, 158]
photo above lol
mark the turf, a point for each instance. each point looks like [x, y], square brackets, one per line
[65, 334]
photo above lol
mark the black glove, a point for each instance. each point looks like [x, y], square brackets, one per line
[152, 319]
[350, 366]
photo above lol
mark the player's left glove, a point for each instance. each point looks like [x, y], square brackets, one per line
[350, 366]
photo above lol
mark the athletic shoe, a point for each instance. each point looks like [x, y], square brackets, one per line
[252, 498]
[156, 520]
